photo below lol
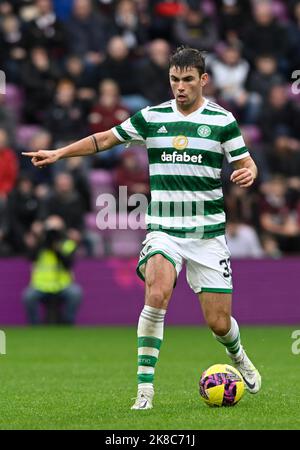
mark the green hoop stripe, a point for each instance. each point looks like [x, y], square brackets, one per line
[191, 209]
[167, 109]
[206, 232]
[229, 344]
[183, 183]
[209, 112]
[123, 133]
[145, 377]
[149, 341]
[238, 151]
[231, 131]
[140, 124]
[217, 290]
[147, 360]
[234, 351]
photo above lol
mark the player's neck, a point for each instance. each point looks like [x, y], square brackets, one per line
[191, 108]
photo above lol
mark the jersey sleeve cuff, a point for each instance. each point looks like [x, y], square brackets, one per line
[231, 159]
[117, 134]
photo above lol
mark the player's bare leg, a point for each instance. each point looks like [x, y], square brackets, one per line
[160, 276]
[216, 309]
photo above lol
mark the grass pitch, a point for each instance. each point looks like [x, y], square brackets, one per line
[85, 378]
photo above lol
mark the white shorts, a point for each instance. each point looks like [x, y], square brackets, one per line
[207, 260]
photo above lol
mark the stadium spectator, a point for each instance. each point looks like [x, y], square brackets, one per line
[131, 173]
[46, 30]
[7, 120]
[278, 217]
[264, 76]
[119, 67]
[107, 112]
[265, 35]
[22, 211]
[8, 166]
[163, 14]
[66, 203]
[294, 36]
[195, 29]
[279, 114]
[39, 77]
[127, 25]
[65, 117]
[52, 281]
[232, 18]
[270, 246]
[229, 71]
[83, 80]
[144, 13]
[88, 32]
[284, 156]
[6, 8]
[78, 169]
[8, 175]
[241, 206]
[229, 74]
[242, 240]
[12, 51]
[154, 72]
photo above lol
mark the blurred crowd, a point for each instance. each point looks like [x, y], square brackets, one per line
[76, 67]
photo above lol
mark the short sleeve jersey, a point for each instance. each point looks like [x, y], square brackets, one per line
[186, 154]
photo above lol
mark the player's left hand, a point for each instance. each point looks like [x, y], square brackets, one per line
[242, 177]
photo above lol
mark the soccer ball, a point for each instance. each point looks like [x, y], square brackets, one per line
[221, 385]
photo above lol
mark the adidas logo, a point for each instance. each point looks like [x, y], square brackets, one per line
[162, 130]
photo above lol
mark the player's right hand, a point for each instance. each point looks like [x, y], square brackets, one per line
[42, 158]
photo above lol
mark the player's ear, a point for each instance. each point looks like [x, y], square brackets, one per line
[204, 79]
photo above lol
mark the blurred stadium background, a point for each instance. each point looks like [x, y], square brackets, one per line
[75, 67]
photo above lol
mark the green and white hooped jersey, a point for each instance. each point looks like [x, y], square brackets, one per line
[185, 160]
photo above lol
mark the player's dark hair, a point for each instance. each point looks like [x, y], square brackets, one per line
[186, 57]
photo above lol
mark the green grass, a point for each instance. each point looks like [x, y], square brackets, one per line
[85, 378]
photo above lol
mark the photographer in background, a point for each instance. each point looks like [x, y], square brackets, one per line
[52, 282]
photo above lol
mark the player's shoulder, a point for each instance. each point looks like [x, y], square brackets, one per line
[158, 112]
[217, 109]
[164, 107]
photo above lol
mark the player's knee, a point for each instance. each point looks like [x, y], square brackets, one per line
[157, 298]
[220, 325]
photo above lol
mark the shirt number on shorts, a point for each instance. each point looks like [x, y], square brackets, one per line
[227, 269]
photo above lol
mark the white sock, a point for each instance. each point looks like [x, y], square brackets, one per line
[231, 340]
[150, 333]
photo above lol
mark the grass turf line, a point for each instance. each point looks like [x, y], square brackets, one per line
[85, 378]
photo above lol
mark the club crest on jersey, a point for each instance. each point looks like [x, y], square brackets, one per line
[204, 131]
[180, 142]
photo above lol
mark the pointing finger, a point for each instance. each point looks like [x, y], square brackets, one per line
[29, 153]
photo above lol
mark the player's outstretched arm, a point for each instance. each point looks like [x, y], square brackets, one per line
[245, 172]
[87, 146]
